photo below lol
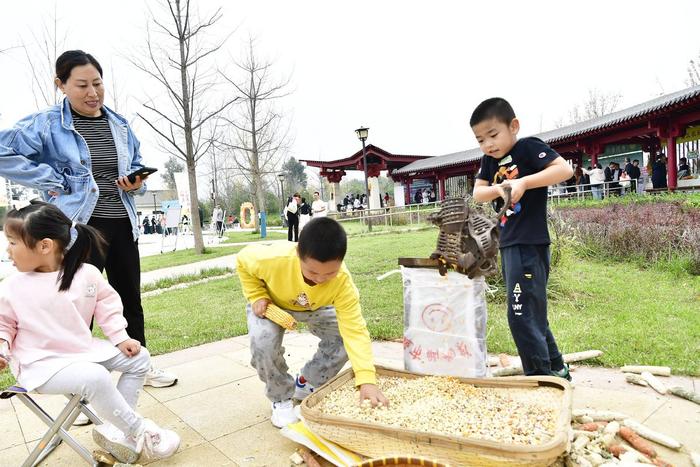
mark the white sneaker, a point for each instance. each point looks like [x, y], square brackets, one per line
[159, 378]
[156, 442]
[301, 390]
[124, 448]
[283, 413]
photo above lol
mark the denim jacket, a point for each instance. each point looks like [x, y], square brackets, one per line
[45, 152]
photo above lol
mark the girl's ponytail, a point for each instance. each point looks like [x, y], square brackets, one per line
[84, 240]
[43, 220]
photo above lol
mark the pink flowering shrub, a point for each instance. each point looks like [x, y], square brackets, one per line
[648, 232]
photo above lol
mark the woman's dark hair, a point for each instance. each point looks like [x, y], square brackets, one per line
[71, 59]
[40, 220]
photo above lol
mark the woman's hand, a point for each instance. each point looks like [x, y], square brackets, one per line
[126, 185]
[3, 362]
[130, 347]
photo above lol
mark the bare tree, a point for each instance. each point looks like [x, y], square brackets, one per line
[258, 138]
[176, 61]
[694, 72]
[596, 105]
[41, 57]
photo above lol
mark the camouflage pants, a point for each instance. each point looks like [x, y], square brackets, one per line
[267, 353]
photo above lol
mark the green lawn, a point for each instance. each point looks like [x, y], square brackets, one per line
[646, 317]
[635, 316]
[246, 236]
[176, 258]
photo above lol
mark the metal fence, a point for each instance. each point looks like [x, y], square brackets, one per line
[389, 218]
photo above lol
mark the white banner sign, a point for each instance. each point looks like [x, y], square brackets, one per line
[182, 185]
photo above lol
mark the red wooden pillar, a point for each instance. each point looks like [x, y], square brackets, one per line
[672, 163]
[407, 193]
[671, 130]
[441, 184]
[593, 149]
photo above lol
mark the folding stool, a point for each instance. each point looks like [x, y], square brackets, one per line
[58, 427]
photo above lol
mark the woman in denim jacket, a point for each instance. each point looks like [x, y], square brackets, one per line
[78, 155]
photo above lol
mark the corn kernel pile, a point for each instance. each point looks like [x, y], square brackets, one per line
[445, 406]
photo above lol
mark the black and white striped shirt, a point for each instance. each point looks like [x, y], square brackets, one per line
[103, 155]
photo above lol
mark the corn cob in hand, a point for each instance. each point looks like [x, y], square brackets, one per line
[281, 317]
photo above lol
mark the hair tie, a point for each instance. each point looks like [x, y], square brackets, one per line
[73, 236]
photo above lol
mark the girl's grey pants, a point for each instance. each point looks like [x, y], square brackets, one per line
[268, 354]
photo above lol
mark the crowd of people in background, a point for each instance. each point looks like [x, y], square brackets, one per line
[424, 196]
[297, 213]
[616, 180]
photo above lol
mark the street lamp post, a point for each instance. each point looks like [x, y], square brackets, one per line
[154, 203]
[362, 133]
[280, 177]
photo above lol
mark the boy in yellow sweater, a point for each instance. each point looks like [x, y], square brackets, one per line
[309, 280]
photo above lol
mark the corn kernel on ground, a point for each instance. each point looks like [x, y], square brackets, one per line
[443, 405]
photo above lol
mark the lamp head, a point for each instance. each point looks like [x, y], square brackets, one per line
[362, 133]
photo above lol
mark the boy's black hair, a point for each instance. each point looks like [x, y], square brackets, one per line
[496, 107]
[323, 239]
[39, 220]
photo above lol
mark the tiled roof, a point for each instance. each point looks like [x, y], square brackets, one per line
[559, 134]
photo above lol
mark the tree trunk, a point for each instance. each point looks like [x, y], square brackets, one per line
[189, 145]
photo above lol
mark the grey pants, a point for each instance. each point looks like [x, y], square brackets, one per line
[92, 380]
[268, 354]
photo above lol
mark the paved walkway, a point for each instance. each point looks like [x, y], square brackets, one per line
[222, 415]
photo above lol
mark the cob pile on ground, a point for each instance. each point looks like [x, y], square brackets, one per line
[602, 438]
[281, 317]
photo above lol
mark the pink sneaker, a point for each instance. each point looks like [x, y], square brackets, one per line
[111, 439]
[152, 443]
[156, 442]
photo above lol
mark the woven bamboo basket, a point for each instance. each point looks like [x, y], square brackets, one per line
[374, 440]
[400, 461]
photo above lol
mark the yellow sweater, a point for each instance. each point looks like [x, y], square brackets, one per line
[274, 272]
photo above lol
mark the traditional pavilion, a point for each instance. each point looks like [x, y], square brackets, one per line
[378, 160]
[668, 124]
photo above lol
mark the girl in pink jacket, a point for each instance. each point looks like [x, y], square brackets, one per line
[46, 310]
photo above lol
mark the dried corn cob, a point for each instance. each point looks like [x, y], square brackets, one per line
[281, 317]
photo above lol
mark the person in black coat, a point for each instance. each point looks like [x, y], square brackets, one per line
[418, 197]
[635, 173]
[612, 177]
[293, 217]
[658, 173]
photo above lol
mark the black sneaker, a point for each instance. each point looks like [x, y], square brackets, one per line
[563, 373]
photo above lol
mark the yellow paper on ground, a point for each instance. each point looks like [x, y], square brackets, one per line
[338, 456]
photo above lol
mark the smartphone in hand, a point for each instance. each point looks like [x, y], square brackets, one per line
[142, 172]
